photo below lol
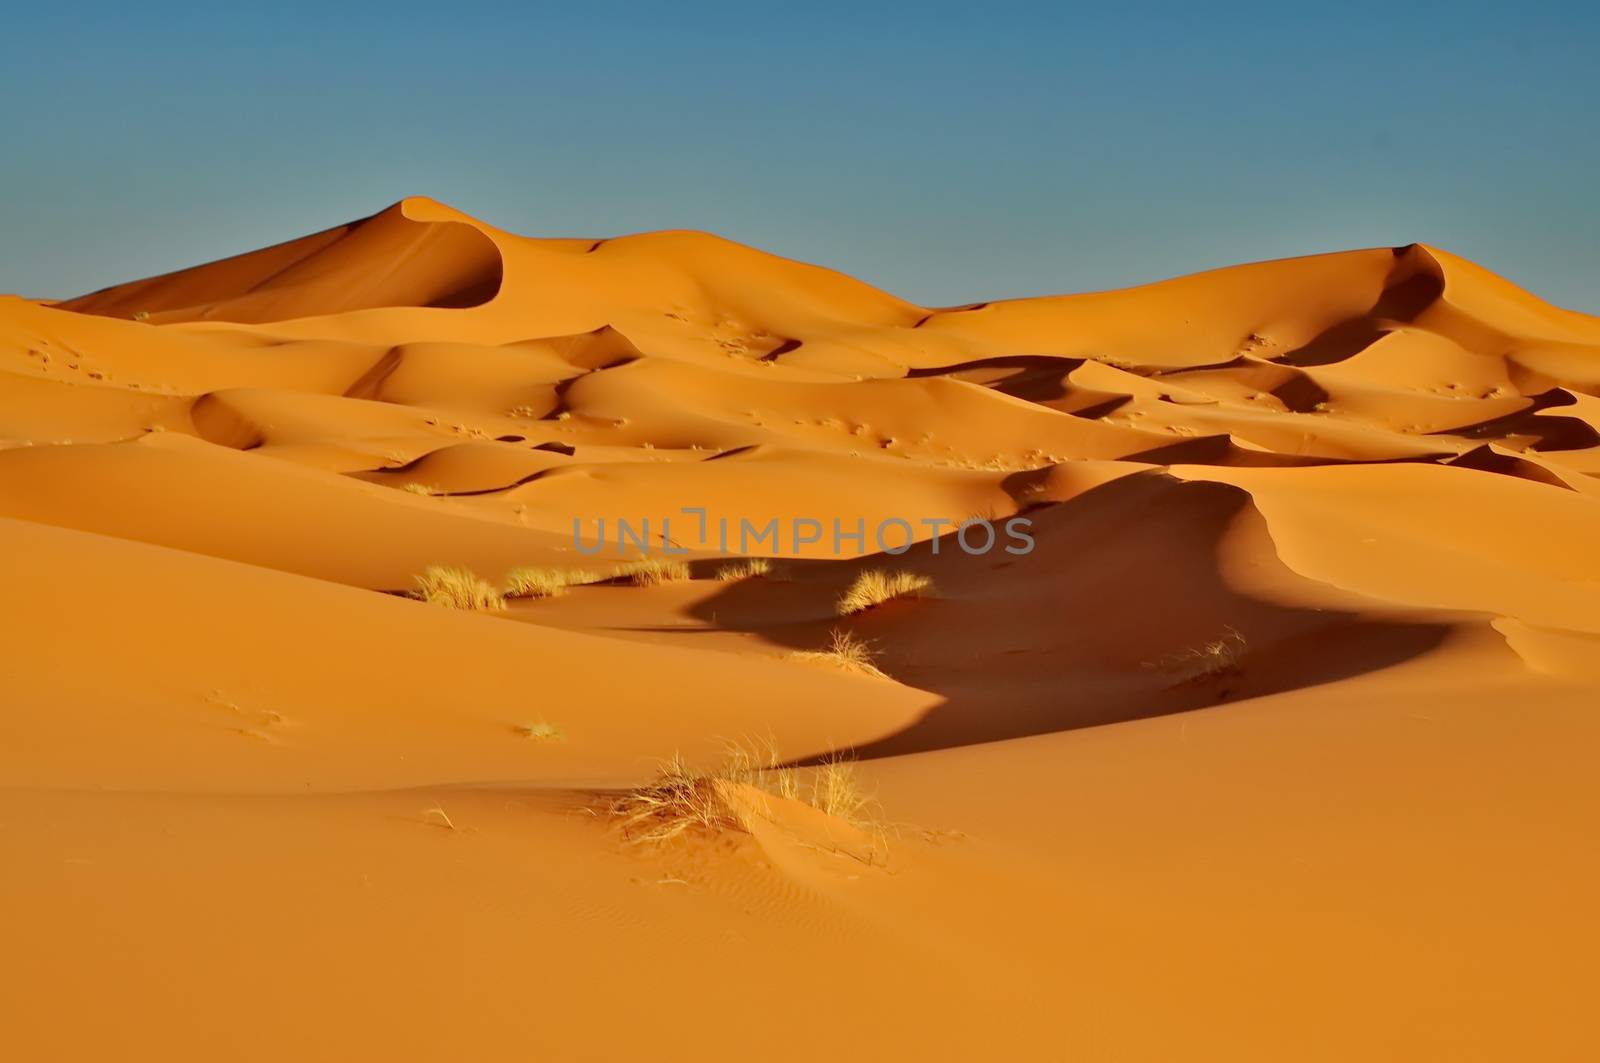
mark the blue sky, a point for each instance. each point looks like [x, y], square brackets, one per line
[946, 152]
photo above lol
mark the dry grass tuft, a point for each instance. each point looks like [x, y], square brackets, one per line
[681, 800]
[1220, 657]
[875, 587]
[836, 790]
[653, 570]
[844, 651]
[678, 799]
[458, 589]
[444, 818]
[748, 568]
[538, 731]
[420, 489]
[546, 582]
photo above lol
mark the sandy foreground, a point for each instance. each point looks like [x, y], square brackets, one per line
[1278, 745]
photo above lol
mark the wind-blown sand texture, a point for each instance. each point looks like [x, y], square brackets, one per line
[1279, 745]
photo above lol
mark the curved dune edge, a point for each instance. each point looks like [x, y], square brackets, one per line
[1567, 654]
[1451, 539]
[1541, 601]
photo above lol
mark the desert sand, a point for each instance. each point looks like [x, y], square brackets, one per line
[1279, 745]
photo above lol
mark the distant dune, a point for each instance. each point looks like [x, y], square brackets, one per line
[1277, 744]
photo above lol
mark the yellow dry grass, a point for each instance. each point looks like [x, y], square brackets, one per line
[875, 587]
[546, 582]
[744, 569]
[681, 800]
[457, 588]
[844, 651]
[1219, 657]
[653, 570]
[836, 790]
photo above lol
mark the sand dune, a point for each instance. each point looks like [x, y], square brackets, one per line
[424, 263]
[1274, 745]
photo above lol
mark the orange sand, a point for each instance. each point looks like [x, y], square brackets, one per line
[257, 809]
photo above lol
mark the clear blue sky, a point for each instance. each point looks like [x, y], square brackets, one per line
[946, 152]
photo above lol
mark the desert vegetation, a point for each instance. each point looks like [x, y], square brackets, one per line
[844, 651]
[681, 800]
[457, 588]
[1220, 656]
[746, 568]
[546, 582]
[650, 571]
[874, 587]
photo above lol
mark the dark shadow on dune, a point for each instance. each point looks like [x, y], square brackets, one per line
[1547, 433]
[559, 391]
[991, 370]
[477, 491]
[218, 422]
[368, 384]
[939, 312]
[1415, 282]
[606, 347]
[1486, 460]
[1300, 394]
[1238, 361]
[408, 468]
[556, 448]
[1342, 650]
[733, 452]
[1095, 626]
[1104, 408]
[1024, 485]
[474, 288]
[780, 350]
[1036, 378]
[1222, 451]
